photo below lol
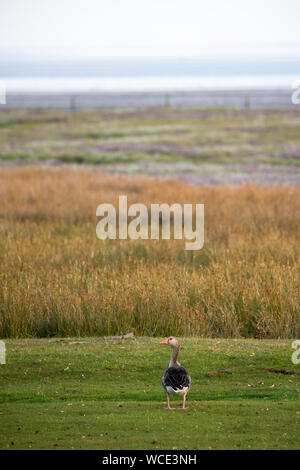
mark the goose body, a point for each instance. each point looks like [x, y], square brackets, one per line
[176, 380]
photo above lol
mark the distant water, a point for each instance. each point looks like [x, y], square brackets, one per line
[207, 81]
[140, 74]
[148, 84]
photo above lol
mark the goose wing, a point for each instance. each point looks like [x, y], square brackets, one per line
[177, 378]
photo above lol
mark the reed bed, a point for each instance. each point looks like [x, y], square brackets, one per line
[58, 279]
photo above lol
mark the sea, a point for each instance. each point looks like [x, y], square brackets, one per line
[136, 82]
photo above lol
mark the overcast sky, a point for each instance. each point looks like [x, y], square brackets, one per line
[148, 26]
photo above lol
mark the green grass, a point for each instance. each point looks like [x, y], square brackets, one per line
[199, 136]
[94, 393]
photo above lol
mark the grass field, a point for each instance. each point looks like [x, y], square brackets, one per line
[94, 393]
[235, 303]
[208, 146]
[58, 279]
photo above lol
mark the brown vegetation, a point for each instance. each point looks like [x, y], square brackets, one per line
[57, 278]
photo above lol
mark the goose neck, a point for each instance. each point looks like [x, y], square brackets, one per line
[173, 361]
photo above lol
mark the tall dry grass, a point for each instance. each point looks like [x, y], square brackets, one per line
[57, 278]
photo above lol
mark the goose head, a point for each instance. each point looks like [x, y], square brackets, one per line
[171, 341]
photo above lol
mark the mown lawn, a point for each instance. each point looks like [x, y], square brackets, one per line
[102, 394]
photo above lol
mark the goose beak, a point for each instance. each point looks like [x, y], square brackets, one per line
[165, 341]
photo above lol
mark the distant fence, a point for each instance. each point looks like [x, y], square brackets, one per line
[254, 99]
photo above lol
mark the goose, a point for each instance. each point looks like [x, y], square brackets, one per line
[176, 379]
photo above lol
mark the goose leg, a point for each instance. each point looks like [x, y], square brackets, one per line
[169, 408]
[183, 403]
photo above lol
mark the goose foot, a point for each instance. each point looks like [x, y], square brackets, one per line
[169, 407]
[183, 403]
